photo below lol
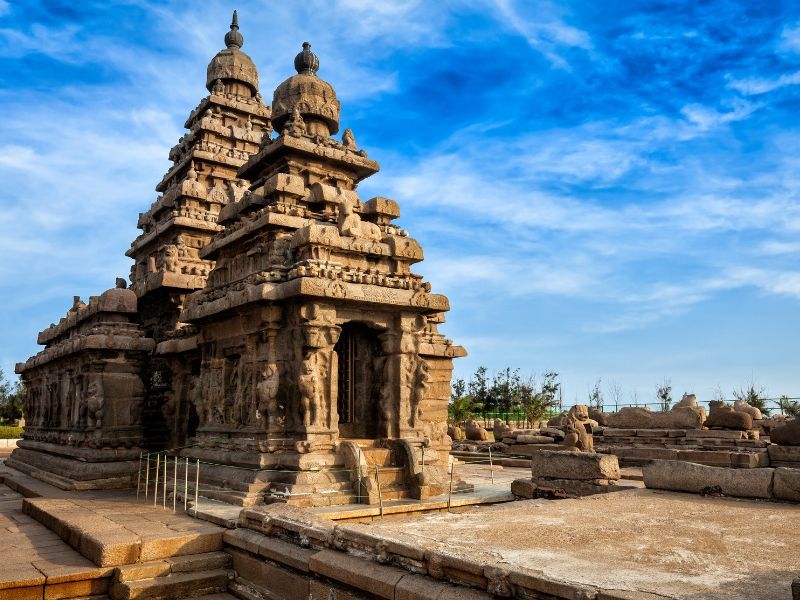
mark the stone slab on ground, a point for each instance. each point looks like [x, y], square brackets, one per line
[574, 465]
[655, 544]
[691, 477]
[527, 488]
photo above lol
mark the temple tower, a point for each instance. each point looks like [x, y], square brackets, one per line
[319, 348]
[224, 130]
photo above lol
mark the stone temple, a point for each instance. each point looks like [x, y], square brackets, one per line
[273, 327]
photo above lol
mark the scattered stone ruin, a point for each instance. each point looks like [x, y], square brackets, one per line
[637, 436]
[273, 327]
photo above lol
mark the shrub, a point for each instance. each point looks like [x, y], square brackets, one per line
[8, 432]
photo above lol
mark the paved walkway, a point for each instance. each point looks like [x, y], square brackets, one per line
[34, 557]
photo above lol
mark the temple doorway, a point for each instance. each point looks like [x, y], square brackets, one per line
[359, 382]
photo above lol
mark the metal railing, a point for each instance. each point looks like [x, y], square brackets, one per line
[165, 474]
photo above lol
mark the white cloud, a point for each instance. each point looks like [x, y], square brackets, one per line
[706, 118]
[756, 86]
[789, 41]
[544, 30]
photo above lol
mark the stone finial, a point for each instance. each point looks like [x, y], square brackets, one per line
[306, 62]
[121, 284]
[234, 39]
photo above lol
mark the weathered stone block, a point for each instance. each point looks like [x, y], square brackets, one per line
[786, 435]
[690, 477]
[706, 457]
[684, 417]
[727, 418]
[529, 583]
[356, 572]
[784, 456]
[609, 432]
[786, 484]
[651, 433]
[534, 439]
[715, 434]
[322, 590]
[749, 460]
[577, 487]
[645, 454]
[523, 488]
[76, 589]
[280, 582]
[574, 465]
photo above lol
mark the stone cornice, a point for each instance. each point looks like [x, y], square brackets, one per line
[315, 287]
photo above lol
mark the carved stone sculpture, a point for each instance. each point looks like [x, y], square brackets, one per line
[501, 430]
[688, 400]
[348, 139]
[475, 432]
[744, 407]
[351, 225]
[725, 417]
[788, 434]
[577, 437]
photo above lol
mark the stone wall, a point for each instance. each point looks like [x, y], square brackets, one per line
[84, 396]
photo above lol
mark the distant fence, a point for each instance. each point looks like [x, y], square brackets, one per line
[773, 405]
[518, 418]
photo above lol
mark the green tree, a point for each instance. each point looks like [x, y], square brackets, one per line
[538, 401]
[462, 405]
[504, 390]
[478, 387]
[664, 394]
[596, 395]
[789, 407]
[10, 400]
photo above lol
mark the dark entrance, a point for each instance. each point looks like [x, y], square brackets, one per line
[359, 384]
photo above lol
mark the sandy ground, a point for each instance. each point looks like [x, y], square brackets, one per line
[680, 545]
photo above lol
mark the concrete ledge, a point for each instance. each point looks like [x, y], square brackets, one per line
[689, 477]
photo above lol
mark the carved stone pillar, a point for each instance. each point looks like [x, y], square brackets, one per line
[411, 373]
[317, 370]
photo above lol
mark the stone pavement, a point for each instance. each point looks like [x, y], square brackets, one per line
[645, 543]
[73, 545]
[36, 563]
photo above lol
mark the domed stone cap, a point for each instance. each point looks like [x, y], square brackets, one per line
[232, 63]
[313, 97]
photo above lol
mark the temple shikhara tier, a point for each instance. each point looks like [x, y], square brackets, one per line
[273, 327]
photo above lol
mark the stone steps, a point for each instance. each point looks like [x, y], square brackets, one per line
[180, 585]
[108, 543]
[177, 577]
[381, 457]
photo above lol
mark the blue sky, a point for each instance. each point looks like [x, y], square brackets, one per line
[609, 190]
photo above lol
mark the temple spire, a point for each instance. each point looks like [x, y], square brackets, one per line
[234, 39]
[306, 62]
